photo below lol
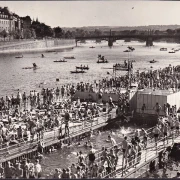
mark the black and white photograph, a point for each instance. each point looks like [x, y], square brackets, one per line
[89, 89]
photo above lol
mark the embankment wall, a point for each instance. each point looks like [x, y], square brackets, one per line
[36, 45]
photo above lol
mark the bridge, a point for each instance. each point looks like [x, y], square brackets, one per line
[148, 38]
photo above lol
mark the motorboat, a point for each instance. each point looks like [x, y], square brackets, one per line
[172, 51]
[153, 61]
[60, 61]
[76, 72]
[82, 67]
[19, 56]
[92, 47]
[69, 57]
[163, 49]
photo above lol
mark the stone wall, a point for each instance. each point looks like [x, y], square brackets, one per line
[37, 45]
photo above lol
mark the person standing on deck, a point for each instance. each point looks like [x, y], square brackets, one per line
[157, 108]
[124, 145]
[165, 131]
[177, 126]
[1, 171]
[156, 132]
[145, 136]
[143, 108]
[66, 121]
[91, 156]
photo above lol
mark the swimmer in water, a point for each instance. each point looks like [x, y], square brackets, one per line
[112, 140]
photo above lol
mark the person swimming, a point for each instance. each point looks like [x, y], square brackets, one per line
[34, 65]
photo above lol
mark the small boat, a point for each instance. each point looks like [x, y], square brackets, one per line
[131, 48]
[76, 72]
[19, 56]
[82, 67]
[153, 61]
[51, 51]
[34, 67]
[172, 51]
[69, 57]
[92, 47]
[102, 61]
[60, 61]
[163, 49]
[127, 51]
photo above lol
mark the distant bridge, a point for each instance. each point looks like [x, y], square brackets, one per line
[148, 38]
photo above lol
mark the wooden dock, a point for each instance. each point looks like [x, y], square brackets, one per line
[29, 148]
[136, 170]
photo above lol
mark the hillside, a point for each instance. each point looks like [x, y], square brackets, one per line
[122, 28]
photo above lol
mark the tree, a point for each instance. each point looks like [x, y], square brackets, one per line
[97, 32]
[4, 34]
[170, 31]
[27, 34]
[33, 33]
[58, 32]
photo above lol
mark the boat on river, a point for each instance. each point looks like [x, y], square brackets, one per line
[77, 72]
[60, 61]
[163, 49]
[172, 51]
[131, 48]
[92, 47]
[82, 67]
[19, 56]
[69, 57]
[101, 59]
[153, 61]
[34, 67]
[127, 50]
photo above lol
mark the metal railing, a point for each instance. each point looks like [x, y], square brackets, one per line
[49, 137]
[149, 155]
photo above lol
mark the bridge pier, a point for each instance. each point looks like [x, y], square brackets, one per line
[110, 42]
[149, 42]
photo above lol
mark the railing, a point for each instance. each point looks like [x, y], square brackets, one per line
[49, 137]
[148, 156]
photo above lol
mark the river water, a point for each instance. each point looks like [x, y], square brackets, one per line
[13, 77]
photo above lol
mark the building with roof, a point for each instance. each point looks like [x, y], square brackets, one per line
[9, 21]
[150, 97]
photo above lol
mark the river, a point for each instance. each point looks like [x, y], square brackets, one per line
[13, 77]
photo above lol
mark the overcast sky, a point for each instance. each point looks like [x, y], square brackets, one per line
[98, 13]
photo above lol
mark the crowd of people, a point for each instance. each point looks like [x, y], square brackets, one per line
[164, 79]
[27, 117]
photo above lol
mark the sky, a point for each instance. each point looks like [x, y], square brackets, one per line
[98, 13]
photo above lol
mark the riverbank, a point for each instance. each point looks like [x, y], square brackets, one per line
[37, 46]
